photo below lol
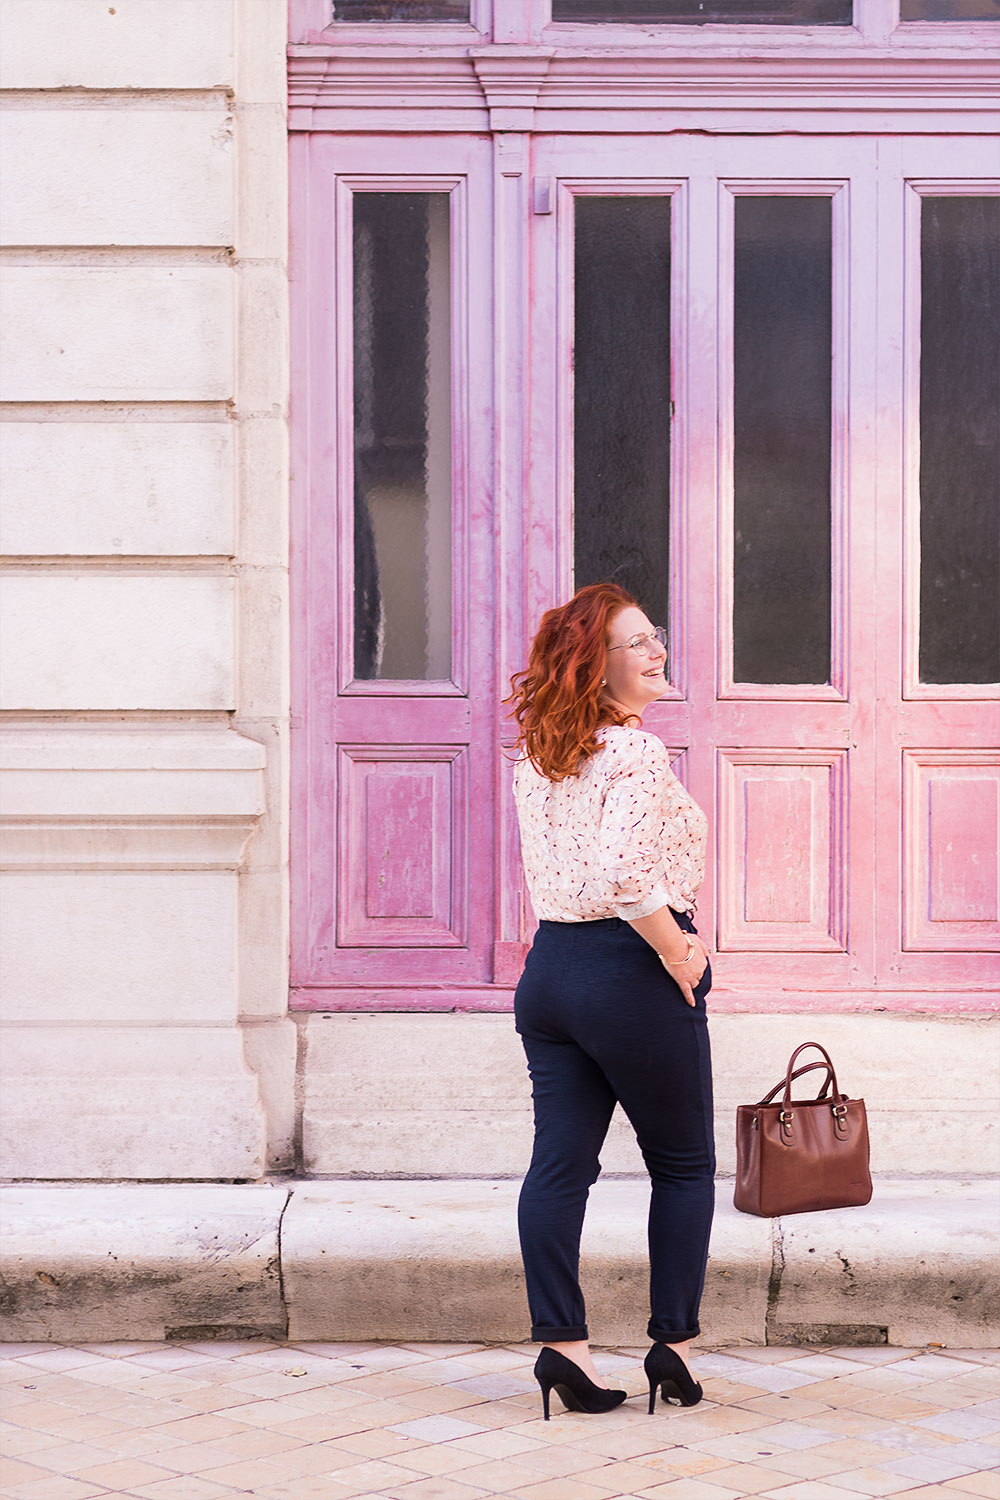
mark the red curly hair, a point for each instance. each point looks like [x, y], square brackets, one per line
[557, 701]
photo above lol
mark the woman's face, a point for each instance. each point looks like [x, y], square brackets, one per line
[634, 680]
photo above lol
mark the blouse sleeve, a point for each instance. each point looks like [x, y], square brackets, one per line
[632, 826]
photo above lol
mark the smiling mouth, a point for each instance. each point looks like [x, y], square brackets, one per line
[654, 672]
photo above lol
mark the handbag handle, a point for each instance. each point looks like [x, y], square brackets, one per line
[808, 1068]
[787, 1099]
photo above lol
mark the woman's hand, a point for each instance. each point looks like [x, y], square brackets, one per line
[682, 953]
[687, 974]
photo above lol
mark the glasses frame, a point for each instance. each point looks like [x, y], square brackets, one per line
[658, 633]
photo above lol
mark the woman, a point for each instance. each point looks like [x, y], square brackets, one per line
[611, 1005]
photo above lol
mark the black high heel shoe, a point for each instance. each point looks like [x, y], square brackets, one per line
[575, 1389]
[665, 1368]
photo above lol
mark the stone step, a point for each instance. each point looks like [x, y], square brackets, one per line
[424, 1095]
[438, 1260]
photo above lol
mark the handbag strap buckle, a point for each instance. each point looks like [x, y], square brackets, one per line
[789, 1074]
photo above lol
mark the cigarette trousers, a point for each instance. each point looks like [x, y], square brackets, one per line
[603, 1023]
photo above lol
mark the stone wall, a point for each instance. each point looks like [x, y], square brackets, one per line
[144, 474]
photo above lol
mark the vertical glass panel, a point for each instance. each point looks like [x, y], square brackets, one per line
[621, 412]
[960, 440]
[949, 10]
[401, 10]
[698, 12]
[782, 393]
[402, 436]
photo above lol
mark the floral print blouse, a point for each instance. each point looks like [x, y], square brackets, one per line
[621, 839]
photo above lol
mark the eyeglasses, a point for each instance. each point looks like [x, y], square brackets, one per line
[645, 645]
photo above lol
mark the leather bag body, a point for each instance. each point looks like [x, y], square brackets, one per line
[800, 1155]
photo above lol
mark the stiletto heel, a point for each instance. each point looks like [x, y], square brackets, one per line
[665, 1368]
[575, 1389]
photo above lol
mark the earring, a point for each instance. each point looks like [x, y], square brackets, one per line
[604, 682]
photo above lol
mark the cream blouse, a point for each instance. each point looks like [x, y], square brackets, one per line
[621, 839]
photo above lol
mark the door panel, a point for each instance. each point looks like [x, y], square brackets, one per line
[782, 874]
[403, 815]
[951, 864]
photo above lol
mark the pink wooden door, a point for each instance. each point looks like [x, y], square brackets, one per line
[825, 780]
[394, 762]
[524, 362]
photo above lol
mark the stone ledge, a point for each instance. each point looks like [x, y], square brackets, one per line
[411, 1260]
[151, 1261]
[387, 1094]
[128, 798]
[439, 1260]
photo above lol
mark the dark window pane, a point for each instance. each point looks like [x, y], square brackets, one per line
[949, 10]
[400, 10]
[621, 415]
[402, 436]
[698, 12]
[960, 440]
[783, 346]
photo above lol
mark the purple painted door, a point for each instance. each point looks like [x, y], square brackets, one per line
[707, 366]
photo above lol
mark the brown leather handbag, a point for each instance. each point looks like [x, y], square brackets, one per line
[802, 1154]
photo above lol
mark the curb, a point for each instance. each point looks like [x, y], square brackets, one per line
[417, 1260]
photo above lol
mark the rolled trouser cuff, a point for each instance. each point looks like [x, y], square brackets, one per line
[544, 1333]
[660, 1336]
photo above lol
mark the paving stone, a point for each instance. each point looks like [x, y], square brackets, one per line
[813, 1490]
[985, 1485]
[496, 1386]
[928, 1467]
[870, 1482]
[436, 1429]
[794, 1435]
[971, 1423]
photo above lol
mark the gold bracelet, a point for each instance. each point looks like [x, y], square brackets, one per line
[676, 964]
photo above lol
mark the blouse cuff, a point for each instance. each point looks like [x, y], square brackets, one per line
[655, 901]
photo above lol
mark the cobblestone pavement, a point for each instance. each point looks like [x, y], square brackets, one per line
[312, 1421]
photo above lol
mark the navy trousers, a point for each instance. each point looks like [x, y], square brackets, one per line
[603, 1023]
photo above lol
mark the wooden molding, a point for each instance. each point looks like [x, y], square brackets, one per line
[503, 88]
[511, 79]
